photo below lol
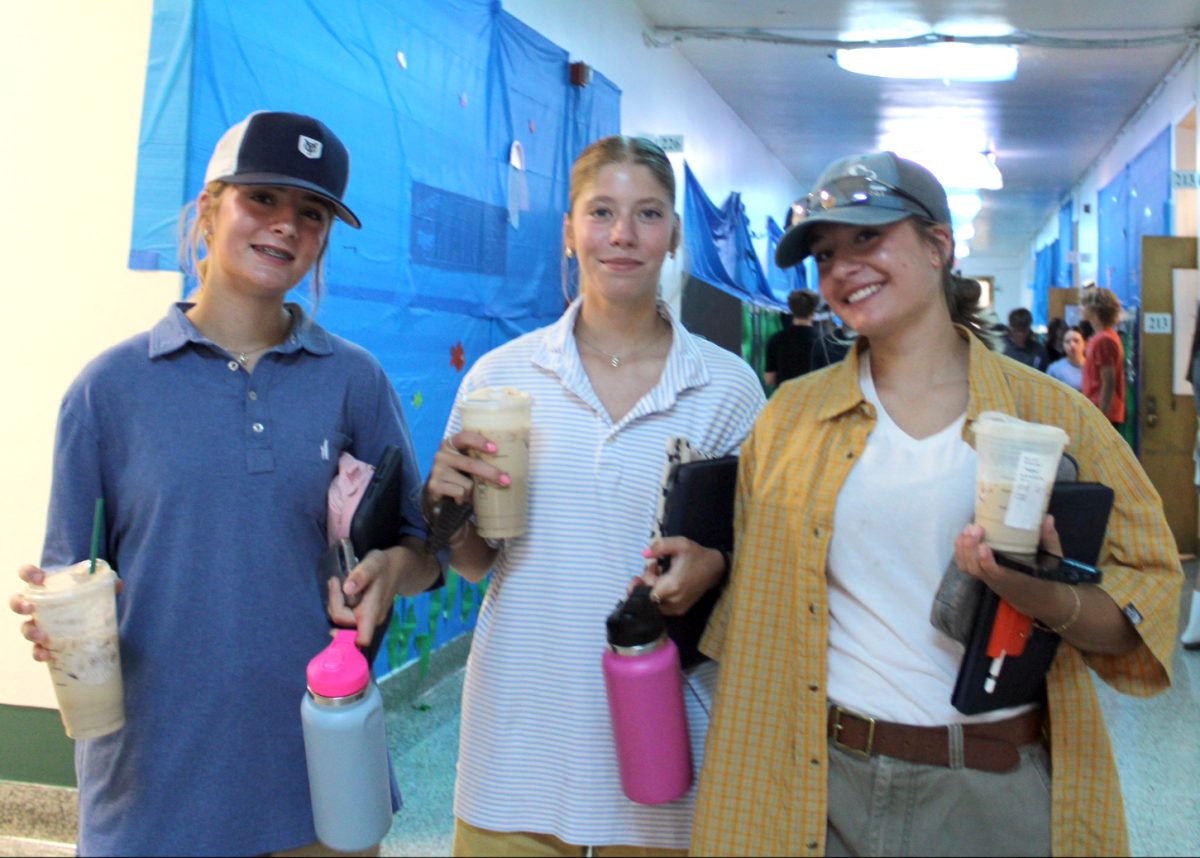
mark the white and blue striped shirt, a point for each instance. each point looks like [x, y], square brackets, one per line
[536, 750]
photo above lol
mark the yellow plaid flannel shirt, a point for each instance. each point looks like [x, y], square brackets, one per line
[763, 788]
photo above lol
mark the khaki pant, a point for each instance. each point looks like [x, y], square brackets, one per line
[885, 806]
[472, 841]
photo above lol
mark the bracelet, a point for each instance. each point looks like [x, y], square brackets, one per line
[1059, 629]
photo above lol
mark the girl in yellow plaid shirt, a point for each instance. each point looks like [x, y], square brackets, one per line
[833, 731]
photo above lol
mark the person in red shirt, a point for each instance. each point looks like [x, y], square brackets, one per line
[1104, 361]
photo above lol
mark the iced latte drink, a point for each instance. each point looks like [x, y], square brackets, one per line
[501, 414]
[78, 613]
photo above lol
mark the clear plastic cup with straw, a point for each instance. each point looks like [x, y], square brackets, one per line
[76, 608]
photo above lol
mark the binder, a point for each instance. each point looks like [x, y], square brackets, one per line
[699, 505]
[1081, 512]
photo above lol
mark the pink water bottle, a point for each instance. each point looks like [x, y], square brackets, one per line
[645, 701]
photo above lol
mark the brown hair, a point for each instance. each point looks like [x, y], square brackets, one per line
[1103, 302]
[191, 236]
[803, 303]
[961, 293]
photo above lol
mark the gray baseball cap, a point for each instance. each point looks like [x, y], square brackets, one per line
[869, 190]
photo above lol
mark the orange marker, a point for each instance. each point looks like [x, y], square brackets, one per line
[1010, 630]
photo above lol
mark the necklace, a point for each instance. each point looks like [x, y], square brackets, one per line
[616, 360]
[242, 356]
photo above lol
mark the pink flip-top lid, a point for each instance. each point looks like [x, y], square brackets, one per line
[340, 669]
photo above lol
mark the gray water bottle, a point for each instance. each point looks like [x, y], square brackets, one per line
[345, 743]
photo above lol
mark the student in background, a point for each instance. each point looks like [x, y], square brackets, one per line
[1021, 343]
[1104, 358]
[833, 732]
[1069, 368]
[612, 382]
[213, 439]
[789, 351]
[1054, 340]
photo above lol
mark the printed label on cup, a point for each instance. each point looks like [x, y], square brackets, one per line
[1031, 482]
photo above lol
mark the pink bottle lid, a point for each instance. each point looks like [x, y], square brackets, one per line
[339, 670]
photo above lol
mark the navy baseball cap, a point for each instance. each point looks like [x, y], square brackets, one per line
[288, 149]
[873, 189]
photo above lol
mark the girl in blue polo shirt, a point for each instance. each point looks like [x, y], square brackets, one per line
[213, 438]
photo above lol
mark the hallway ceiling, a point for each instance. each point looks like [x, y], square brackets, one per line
[1046, 127]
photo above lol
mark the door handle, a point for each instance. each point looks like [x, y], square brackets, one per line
[1151, 411]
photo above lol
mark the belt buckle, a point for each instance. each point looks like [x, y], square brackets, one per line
[839, 711]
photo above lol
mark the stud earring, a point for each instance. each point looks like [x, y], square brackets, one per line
[570, 254]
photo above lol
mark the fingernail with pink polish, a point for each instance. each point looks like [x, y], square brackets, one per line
[492, 448]
[647, 553]
[505, 480]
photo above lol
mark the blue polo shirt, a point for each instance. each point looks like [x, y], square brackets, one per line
[214, 482]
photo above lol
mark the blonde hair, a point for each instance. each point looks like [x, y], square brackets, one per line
[194, 264]
[616, 149]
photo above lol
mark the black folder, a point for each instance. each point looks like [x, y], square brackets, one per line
[375, 525]
[1080, 513]
[699, 505]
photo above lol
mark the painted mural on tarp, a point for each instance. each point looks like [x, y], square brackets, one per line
[461, 124]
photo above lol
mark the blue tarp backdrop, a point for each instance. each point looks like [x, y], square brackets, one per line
[782, 280]
[1135, 203]
[462, 230]
[719, 249]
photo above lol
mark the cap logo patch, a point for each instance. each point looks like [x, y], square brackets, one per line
[309, 147]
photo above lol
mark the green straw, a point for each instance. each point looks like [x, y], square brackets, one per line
[97, 529]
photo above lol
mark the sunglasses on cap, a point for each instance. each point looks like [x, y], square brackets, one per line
[866, 189]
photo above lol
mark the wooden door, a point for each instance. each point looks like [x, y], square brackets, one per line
[1166, 421]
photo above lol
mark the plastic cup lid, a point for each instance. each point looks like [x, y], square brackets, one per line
[1000, 425]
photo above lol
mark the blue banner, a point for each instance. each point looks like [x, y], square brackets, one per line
[719, 249]
[462, 125]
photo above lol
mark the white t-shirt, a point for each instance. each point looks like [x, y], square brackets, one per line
[536, 751]
[897, 516]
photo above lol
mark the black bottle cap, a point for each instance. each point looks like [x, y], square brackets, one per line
[636, 621]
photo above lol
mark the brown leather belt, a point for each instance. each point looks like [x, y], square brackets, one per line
[991, 747]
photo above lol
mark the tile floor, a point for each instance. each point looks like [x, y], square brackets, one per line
[1156, 743]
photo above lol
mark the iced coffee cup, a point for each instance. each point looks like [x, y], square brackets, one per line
[501, 414]
[78, 613]
[1015, 472]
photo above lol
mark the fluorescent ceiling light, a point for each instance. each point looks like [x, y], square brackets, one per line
[965, 232]
[961, 250]
[937, 61]
[955, 167]
[964, 207]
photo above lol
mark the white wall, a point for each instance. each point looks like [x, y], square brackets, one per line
[74, 72]
[661, 93]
